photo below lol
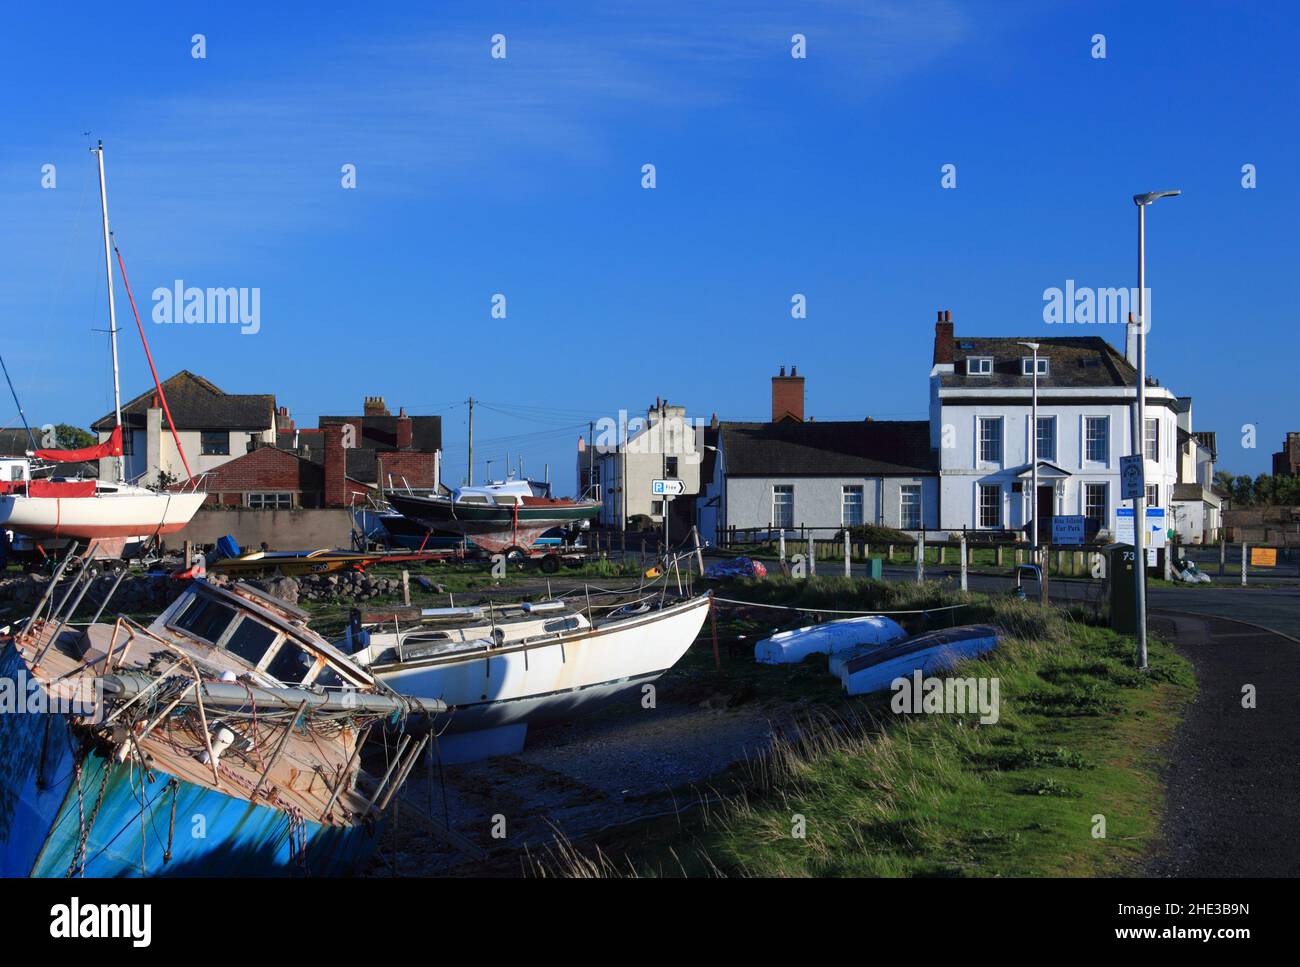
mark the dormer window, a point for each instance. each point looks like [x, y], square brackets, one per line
[979, 366]
[1027, 366]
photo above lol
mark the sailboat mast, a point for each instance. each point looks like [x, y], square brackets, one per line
[112, 311]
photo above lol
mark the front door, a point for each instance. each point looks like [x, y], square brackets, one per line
[1046, 511]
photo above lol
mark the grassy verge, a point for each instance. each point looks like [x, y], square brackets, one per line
[1079, 736]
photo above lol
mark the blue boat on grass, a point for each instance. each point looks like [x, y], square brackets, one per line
[874, 667]
[223, 739]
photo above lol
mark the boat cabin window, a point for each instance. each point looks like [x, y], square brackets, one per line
[561, 624]
[476, 499]
[290, 664]
[250, 640]
[327, 677]
[206, 619]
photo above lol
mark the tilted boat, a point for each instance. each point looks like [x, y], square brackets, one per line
[498, 517]
[499, 668]
[91, 509]
[874, 667]
[222, 739]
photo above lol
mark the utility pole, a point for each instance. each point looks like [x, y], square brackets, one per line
[591, 455]
[471, 441]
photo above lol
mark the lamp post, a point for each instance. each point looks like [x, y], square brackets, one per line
[1033, 463]
[1140, 425]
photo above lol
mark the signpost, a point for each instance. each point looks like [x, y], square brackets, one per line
[667, 489]
[1132, 481]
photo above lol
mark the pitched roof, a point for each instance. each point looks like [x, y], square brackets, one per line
[197, 404]
[1074, 361]
[833, 448]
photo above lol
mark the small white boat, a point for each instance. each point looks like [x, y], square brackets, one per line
[500, 668]
[875, 667]
[792, 647]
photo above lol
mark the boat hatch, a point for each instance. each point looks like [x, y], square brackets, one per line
[561, 624]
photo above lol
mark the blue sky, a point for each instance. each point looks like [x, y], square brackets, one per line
[522, 176]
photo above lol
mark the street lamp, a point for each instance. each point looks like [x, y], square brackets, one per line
[1033, 462]
[1140, 425]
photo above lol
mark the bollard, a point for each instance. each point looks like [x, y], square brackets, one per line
[962, 551]
[1243, 564]
[848, 566]
[920, 559]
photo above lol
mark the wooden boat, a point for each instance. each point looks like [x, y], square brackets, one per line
[499, 517]
[874, 667]
[223, 739]
[501, 667]
[296, 563]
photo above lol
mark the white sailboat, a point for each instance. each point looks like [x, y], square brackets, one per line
[501, 667]
[93, 509]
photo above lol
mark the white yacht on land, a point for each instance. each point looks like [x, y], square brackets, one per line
[500, 667]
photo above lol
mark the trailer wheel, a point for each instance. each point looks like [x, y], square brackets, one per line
[550, 564]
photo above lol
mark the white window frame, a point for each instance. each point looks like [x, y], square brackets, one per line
[979, 365]
[845, 491]
[263, 494]
[782, 489]
[1050, 420]
[979, 506]
[1105, 507]
[1084, 457]
[980, 459]
[903, 491]
[1153, 495]
[1151, 422]
[1027, 366]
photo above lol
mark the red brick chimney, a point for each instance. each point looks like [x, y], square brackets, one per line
[403, 430]
[787, 396]
[943, 337]
[336, 463]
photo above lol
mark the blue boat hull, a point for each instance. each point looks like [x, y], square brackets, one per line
[876, 667]
[46, 809]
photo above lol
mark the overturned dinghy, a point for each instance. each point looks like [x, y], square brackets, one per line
[792, 647]
[874, 668]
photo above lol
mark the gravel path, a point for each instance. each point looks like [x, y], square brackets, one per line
[1234, 773]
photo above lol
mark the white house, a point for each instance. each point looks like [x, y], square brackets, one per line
[213, 426]
[790, 473]
[980, 406]
[1195, 508]
[626, 455]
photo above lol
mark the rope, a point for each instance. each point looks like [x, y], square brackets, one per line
[149, 356]
[786, 607]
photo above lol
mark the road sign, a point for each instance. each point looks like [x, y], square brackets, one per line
[1067, 529]
[1131, 480]
[667, 488]
[1155, 526]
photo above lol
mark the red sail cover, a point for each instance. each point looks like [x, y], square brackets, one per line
[112, 447]
[61, 488]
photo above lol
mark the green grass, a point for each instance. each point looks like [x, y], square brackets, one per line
[1080, 734]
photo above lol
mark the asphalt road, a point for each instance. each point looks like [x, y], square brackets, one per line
[1233, 778]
